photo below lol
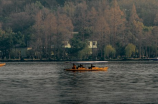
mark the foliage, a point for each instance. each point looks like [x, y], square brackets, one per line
[45, 24]
[84, 53]
[77, 44]
[109, 51]
[130, 49]
[147, 28]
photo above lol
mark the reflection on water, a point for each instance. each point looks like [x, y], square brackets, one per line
[48, 83]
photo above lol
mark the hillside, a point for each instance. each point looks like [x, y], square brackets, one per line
[122, 28]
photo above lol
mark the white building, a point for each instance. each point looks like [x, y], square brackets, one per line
[92, 44]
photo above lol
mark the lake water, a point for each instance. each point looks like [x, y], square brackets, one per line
[48, 83]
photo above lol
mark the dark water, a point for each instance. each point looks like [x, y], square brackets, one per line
[48, 83]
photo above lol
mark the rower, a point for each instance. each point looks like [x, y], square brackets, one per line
[92, 66]
[80, 66]
[74, 66]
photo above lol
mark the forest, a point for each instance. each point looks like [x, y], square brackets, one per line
[123, 29]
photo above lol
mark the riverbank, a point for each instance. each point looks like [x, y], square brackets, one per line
[49, 60]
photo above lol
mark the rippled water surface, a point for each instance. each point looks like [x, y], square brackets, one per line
[48, 83]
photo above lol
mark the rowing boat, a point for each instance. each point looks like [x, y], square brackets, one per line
[92, 68]
[2, 64]
[89, 69]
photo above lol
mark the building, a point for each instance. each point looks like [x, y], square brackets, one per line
[66, 44]
[92, 44]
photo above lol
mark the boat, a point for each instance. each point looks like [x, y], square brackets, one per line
[154, 59]
[88, 69]
[2, 64]
[92, 68]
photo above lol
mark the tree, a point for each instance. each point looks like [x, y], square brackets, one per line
[19, 39]
[133, 19]
[64, 32]
[45, 24]
[80, 18]
[20, 21]
[146, 43]
[139, 32]
[40, 33]
[7, 40]
[69, 9]
[76, 44]
[92, 17]
[155, 39]
[33, 8]
[130, 49]
[109, 51]
[133, 15]
[116, 20]
[136, 28]
[51, 31]
[84, 53]
[102, 31]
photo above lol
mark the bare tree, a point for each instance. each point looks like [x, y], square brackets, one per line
[116, 20]
[102, 31]
[64, 29]
[136, 28]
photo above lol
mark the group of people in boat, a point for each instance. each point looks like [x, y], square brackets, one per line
[81, 66]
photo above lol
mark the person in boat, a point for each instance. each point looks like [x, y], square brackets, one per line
[74, 66]
[92, 66]
[80, 66]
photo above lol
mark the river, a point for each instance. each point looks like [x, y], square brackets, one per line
[48, 83]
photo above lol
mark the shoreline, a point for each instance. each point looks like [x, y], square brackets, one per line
[48, 60]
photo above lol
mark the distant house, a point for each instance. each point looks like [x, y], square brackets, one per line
[66, 44]
[92, 44]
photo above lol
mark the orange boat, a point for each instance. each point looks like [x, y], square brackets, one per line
[92, 68]
[89, 69]
[2, 64]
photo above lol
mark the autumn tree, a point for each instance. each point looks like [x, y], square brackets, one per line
[146, 43]
[136, 28]
[45, 24]
[133, 15]
[102, 32]
[51, 30]
[92, 17]
[133, 20]
[64, 29]
[38, 43]
[116, 20]
[155, 39]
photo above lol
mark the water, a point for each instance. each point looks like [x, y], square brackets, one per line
[48, 83]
